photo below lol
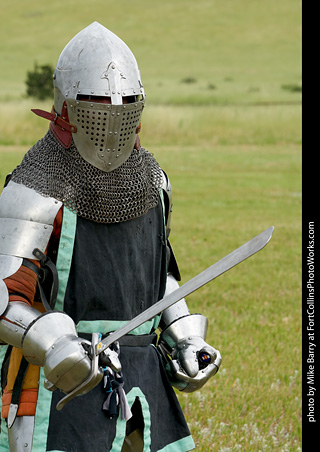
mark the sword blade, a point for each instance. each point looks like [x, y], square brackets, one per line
[226, 263]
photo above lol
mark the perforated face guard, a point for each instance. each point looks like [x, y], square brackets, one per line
[106, 133]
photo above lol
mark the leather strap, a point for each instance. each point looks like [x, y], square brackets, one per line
[132, 340]
[56, 119]
[59, 125]
[16, 393]
[48, 267]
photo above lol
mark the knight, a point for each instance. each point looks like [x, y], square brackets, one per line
[84, 248]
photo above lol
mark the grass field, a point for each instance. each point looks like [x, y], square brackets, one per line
[223, 118]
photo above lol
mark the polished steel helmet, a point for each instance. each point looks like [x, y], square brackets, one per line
[98, 78]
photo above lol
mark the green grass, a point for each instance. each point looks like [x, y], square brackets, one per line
[222, 199]
[247, 50]
[224, 194]
[223, 118]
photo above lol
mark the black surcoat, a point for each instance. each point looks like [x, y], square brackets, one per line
[116, 272]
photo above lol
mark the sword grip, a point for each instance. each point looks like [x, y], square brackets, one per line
[204, 357]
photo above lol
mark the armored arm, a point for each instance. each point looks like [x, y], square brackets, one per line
[26, 225]
[190, 361]
[49, 340]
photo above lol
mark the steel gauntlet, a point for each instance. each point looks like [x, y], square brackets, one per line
[190, 361]
[51, 341]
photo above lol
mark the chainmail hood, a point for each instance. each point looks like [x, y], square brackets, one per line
[120, 195]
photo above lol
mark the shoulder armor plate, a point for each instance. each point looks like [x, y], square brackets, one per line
[22, 203]
[26, 220]
[26, 223]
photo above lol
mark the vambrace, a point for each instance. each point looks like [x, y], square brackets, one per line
[189, 360]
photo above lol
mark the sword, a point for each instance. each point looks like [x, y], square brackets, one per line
[226, 263]
[231, 260]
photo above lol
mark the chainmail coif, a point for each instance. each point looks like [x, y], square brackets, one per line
[120, 195]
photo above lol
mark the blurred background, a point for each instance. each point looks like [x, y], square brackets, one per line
[223, 117]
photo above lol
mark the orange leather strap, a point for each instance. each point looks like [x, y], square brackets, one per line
[59, 125]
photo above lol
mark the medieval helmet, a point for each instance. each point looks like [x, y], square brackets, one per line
[94, 68]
